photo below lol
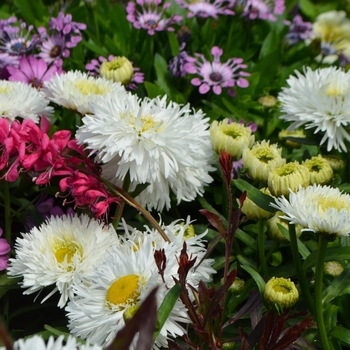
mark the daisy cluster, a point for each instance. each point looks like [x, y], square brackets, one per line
[102, 278]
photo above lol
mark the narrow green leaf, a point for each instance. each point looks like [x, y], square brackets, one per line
[257, 278]
[166, 307]
[259, 198]
[152, 90]
[270, 44]
[246, 239]
[174, 43]
[339, 286]
[57, 332]
[333, 253]
[341, 333]
[308, 8]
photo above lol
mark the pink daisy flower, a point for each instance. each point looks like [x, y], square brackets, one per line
[33, 71]
[149, 18]
[216, 75]
[263, 9]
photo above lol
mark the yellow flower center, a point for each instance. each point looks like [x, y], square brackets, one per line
[287, 169]
[149, 123]
[232, 130]
[264, 155]
[5, 90]
[123, 290]
[66, 250]
[87, 87]
[336, 203]
[336, 89]
[281, 289]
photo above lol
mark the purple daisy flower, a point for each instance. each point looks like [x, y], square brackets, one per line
[16, 40]
[94, 69]
[263, 9]
[217, 75]
[207, 8]
[65, 34]
[298, 30]
[33, 71]
[4, 250]
[177, 63]
[149, 18]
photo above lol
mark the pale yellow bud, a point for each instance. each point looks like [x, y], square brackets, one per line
[119, 70]
[320, 170]
[253, 212]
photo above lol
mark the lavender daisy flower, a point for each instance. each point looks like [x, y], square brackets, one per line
[65, 34]
[94, 69]
[177, 63]
[217, 75]
[16, 41]
[263, 9]
[298, 31]
[207, 8]
[4, 250]
[149, 18]
[33, 71]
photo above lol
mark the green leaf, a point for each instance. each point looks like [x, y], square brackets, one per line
[257, 278]
[166, 307]
[270, 44]
[174, 43]
[339, 286]
[32, 10]
[57, 332]
[341, 333]
[91, 45]
[260, 199]
[152, 90]
[308, 8]
[333, 253]
[246, 239]
[7, 283]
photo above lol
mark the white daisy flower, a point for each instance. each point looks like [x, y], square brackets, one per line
[59, 250]
[18, 99]
[114, 290]
[178, 233]
[319, 99]
[37, 342]
[321, 209]
[75, 90]
[166, 145]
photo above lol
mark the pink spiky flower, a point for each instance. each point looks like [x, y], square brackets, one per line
[150, 17]
[216, 75]
[263, 9]
[207, 8]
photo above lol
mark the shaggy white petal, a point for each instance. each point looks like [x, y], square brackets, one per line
[76, 90]
[166, 145]
[321, 209]
[319, 100]
[93, 316]
[59, 250]
[18, 99]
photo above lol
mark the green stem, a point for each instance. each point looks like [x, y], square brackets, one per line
[261, 247]
[120, 208]
[321, 253]
[300, 271]
[7, 205]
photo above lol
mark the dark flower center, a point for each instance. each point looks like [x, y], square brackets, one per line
[152, 23]
[55, 51]
[18, 47]
[36, 83]
[215, 76]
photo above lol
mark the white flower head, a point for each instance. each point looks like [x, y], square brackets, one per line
[18, 99]
[58, 251]
[75, 90]
[165, 145]
[114, 287]
[319, 99]
[37, 342]
[321, 209]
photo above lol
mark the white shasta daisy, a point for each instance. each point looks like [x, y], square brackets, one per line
[164, 144]
[75, 90]
[37, 342]
[59, 250]
[18, 99]
[321, 209]
[178, 232]
[116, 288]
[319, 99]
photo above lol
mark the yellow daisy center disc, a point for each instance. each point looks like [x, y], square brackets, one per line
[61, 253]
[88, 87]
[336, 203]
[281, 289]
[123, 290]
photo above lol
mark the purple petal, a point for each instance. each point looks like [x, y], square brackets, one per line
[204, 88]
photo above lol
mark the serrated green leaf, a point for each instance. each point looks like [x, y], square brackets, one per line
[260, 199]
